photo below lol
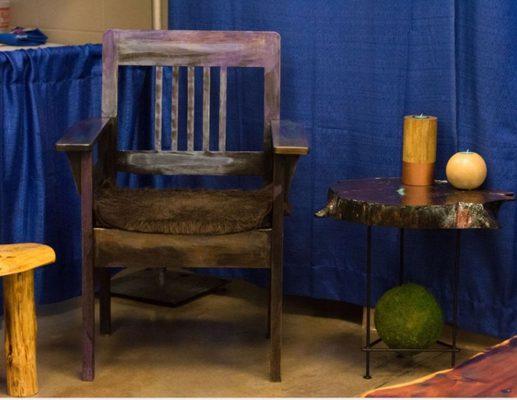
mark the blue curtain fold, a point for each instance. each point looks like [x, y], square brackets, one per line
[42, 92]
[350, 71]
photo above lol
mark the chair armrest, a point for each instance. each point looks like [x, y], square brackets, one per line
[83, 135]
[289, 138]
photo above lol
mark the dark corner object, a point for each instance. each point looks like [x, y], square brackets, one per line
[284, 142]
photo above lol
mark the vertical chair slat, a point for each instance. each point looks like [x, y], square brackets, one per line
[175, 108]
[222, 109]
[158, 109]
[191, 106]
[206, 108]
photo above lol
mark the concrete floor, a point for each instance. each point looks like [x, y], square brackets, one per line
[216, 346]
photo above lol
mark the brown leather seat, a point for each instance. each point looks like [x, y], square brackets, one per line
[182, 211]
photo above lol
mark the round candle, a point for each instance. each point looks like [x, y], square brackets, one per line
[466, 170]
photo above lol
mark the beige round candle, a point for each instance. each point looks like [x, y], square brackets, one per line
[419, 149]
[466, 170]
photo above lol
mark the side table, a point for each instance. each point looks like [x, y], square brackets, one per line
[387, 202]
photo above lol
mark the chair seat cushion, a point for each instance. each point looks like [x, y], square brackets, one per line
[182, 211]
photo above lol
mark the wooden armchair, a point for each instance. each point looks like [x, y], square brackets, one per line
[107, 241]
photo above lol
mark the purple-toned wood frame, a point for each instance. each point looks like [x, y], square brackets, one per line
[283, 144]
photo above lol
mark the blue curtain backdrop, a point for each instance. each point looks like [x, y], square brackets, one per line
[41, 93]
[350, 71]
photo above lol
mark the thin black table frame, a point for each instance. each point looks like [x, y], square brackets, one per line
[369, 347]
[387, 202]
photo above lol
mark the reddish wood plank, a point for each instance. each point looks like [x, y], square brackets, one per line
[489, 374]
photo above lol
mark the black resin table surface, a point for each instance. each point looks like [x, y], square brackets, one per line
[387, 202]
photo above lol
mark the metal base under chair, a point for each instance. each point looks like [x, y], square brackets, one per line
[444, 347]
[170, 288]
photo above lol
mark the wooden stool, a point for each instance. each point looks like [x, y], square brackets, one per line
[17, 263]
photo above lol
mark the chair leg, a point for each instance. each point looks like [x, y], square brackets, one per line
[268, 321]
[276, 318]
[88, 294]
[105, 300]
[88, 306]
[20, 334]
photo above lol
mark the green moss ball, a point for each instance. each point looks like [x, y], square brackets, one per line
[408, 317]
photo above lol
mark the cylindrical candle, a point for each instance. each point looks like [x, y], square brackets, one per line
[419, 149]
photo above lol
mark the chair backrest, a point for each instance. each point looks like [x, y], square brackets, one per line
[192, 49]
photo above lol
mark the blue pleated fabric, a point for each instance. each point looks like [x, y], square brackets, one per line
[41, 93]
[351, 70]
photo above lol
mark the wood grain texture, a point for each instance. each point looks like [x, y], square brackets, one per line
[175, 108]
[20, 334]
[133, 249]
[271, 100]
[191, 106]
[110, 67]
[158, 97]
[253, 249]
[20, 257]
[419, 150]
[87, 298]
[223, 78]
[419, 139]
[206, 108]
[488, 374]
[83, 135]
[191, 162]
[386, 202]
[197, 48]
[289, 138]
[276, 296]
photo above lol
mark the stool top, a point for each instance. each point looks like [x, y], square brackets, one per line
[20, 257]
[387, 202]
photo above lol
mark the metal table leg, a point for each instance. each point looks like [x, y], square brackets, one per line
[369, 344]
[368, 297]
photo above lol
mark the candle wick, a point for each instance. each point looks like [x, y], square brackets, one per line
[420, 116]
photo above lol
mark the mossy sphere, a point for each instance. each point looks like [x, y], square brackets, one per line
[408, 317]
